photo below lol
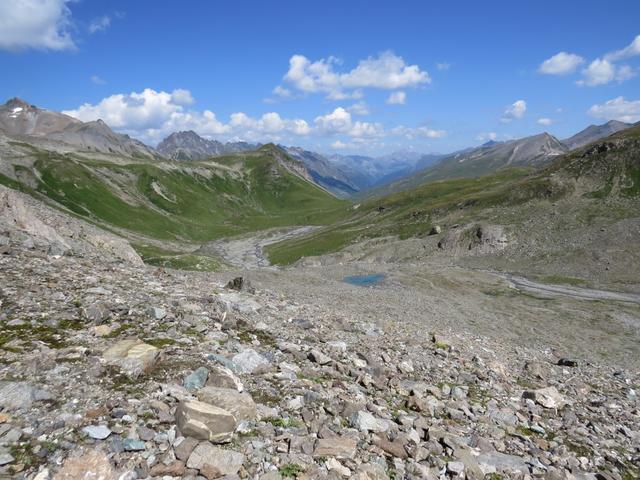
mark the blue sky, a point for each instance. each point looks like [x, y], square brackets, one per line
[336, 76]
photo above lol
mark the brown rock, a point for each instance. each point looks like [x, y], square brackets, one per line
[184, 449]
[211, 459]
[395, 448]
[91, 464]
[338, 447]
[174, 469]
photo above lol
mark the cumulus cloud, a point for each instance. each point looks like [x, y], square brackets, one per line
[339, 145]
[387, 71]
[360, 108]
[444, 66]
[617, 109]
[151, 115]
[100, 24]
[514, 111]
[181, 96]
[37, 24]
[411, 133]
[340, 122]
[397, 98]
[602, 71]
[562, 63]
[605, 70]
[545, 121]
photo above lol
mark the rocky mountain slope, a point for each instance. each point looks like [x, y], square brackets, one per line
[325, 173]
[117, 371]
[31, 124]
[535, 151]
[593, 133]
[191, 146]
[169, 201]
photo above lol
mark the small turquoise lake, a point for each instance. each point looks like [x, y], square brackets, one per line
[365, 280]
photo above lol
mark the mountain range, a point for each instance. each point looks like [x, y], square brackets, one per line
[28, 122]
[344, 176]
[191, 146]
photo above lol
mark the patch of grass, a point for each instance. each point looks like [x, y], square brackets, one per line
[578, 449]
[160, 342]
[525, 431]
[291, 470]
[265, 338]
[116, 332]
[180, 261]
[24, 455]
[282, 422]
[51, 335]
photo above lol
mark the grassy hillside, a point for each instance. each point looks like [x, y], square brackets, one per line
[603, 170]
[193, 202]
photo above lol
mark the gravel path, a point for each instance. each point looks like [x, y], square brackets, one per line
[248, 251]
[568, 290]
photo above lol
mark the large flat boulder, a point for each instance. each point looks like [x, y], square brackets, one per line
[132, 356]
[240, 405]
[205, 422]
[215, 461]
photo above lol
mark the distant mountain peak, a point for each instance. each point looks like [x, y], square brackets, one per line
[595, 132]
[188, 145]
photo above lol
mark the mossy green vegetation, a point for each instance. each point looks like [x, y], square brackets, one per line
[409, 213]
[291, 470]
[181, 261]
[192, 202]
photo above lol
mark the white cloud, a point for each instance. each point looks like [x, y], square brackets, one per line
[100, 24]
[629, 51]
[601, 72]
[340, 122]
[411, 133]
[514, 111]
[561, 63]
[38, 24]
[604, 70]
[181, 96]
[545, 121]
[339, 145]
[360, 108]
[387, 71]
[617, 109]
[483, 137]
[444, 66]
[397, 98]
[98, 80]
[282, 92]
[151, 115]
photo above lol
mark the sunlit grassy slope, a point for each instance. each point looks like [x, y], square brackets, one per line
[193, 202]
